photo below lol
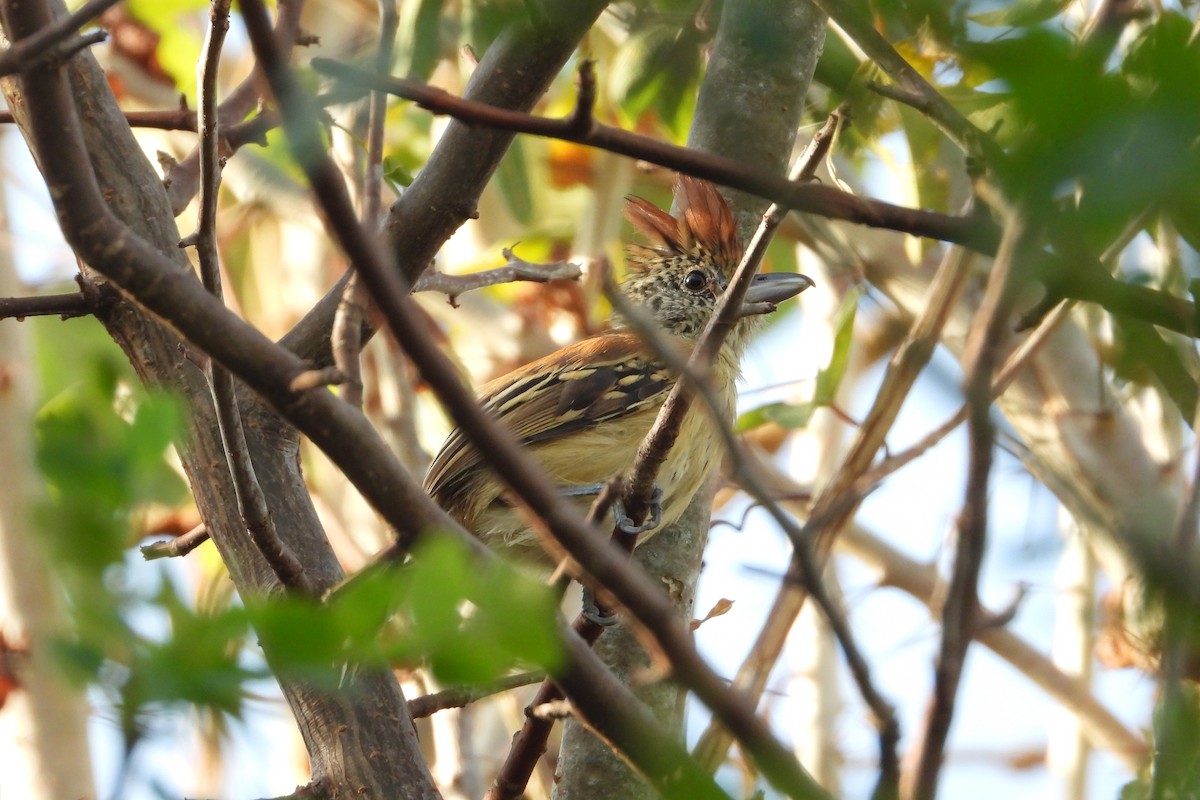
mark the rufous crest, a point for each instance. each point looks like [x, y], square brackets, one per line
[705, 226]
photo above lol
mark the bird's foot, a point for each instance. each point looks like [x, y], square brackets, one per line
[653, 514]
[593, 613]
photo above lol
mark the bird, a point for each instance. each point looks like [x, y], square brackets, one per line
[582, 410]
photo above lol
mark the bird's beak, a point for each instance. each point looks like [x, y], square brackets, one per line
[770, 289]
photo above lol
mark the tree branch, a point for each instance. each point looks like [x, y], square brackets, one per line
[810, 198]
[960, 613]
[30, 52]
[66, 306]
[607, 569]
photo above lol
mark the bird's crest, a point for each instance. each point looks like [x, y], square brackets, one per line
[705, 226]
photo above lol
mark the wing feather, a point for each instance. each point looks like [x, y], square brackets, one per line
[582, 385]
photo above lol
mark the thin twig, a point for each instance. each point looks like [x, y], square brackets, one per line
[430, 704]
[249, 494]
[181, 545]
[515, 269]
[183, 180]
[960, 612]
[33, 50]
[902, 372]
[346, 337]
[922, 581]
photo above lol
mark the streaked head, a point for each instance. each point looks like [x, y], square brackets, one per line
[678, 277]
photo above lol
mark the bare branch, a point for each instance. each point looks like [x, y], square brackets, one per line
[516, 269]
[922, 581]
[960, 614]
[55, 40]
[811, 198]
[66, 306]
[430, 704]
[181, 545]
[184, 179]
[347, 333]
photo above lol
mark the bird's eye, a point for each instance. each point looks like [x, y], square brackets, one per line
[695, 280]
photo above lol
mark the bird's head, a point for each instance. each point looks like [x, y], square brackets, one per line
[678, 278]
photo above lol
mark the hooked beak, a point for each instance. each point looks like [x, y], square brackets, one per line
[770, 289]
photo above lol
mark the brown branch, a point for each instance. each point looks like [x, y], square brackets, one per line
[923, 582]
[181, 545]
[183, 181]
[606, 570]
[811, 198]
[50, 41]
[430, 704]
[66, 306]
[903, 369]
[960, 612]
[346, 335]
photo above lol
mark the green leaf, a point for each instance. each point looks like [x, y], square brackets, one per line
[830, 378]
[656, 70]
[1020, 14]
[396, 173]
[419, 43]
[513, 182]
[788, 415]
[179, 46]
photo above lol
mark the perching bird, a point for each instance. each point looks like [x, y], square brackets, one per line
[583, 410]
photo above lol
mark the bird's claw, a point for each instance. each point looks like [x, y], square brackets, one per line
[653, 515]
[593, 613]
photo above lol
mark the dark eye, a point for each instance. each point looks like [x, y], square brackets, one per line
[695, 280]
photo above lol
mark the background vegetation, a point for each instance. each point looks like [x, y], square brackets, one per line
[1002, 217]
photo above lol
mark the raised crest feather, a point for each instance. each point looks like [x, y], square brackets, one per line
[705, 223]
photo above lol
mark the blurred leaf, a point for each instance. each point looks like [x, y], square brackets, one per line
[396, 173]
[513, 182]
[1020, 14]
[469, 622]
[830, 378]
[179, 47]
[1121, 141]
[98, 466]
[1177, 745]
[656, 71]
[792, 416]
[419, 44]
[197, 663]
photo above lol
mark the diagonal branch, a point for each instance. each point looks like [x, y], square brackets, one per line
[30, 51]
[606, 569]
